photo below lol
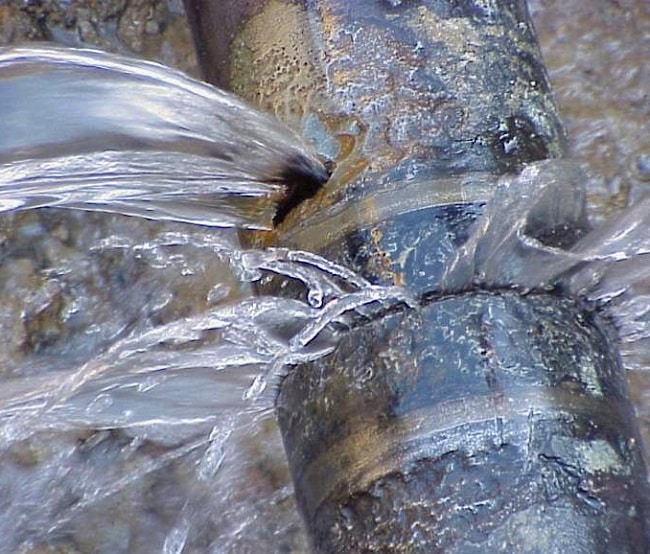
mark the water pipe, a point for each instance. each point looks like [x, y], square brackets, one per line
[485, 420]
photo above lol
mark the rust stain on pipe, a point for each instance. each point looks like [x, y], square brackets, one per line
[390, 90]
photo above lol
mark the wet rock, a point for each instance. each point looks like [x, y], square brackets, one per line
[16, 278]
[42, 317]
[155, 29]
[16, 25]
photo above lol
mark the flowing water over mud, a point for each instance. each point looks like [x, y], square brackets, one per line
[137, 394]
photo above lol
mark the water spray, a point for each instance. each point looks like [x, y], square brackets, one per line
[496, 416]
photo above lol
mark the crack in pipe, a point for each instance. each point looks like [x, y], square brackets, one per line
[475, 423]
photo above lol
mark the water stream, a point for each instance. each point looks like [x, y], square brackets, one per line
[138, 367]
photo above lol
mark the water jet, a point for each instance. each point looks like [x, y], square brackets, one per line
[144, 418]
[472, 424]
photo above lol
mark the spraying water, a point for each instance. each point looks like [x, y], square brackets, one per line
[135, 349]
[110, 134]
[139, 370]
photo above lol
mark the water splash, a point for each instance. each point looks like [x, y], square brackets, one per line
[169, 186]
[108, 133]
[154, 388]
[162, 396]
[609, 267]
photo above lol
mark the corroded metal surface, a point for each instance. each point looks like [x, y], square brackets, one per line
[484, 423]
[390, 90]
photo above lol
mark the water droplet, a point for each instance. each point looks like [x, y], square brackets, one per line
[257, 388]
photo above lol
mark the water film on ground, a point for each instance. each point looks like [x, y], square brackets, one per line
[140, 361]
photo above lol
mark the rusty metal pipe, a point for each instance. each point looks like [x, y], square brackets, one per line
[486, 421]
[390, 90]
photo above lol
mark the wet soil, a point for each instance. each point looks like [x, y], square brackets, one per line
[596, 55]
[150, 29]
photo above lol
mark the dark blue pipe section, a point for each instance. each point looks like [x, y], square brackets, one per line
[484, 421]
